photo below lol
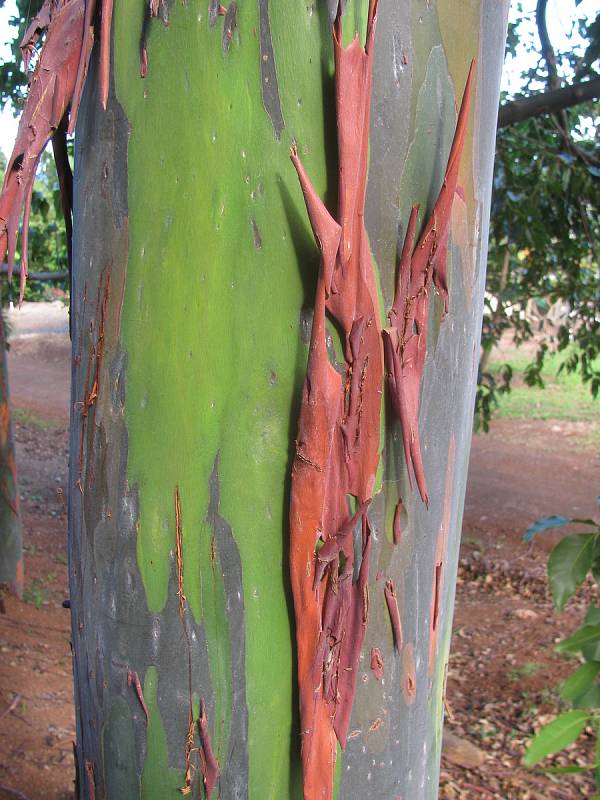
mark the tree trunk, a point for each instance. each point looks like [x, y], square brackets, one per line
[194, 280]
[11, 558]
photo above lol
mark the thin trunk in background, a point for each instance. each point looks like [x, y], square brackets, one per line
[11, 548]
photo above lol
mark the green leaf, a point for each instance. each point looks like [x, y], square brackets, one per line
[572, 770]
[580, 681]
[549, 523]
[592, 617]
[568, 565]
[586, 635]
[555, 736]
[590, 700]
[597, 753]
[596, 561]
[591, 652]
[545, 524]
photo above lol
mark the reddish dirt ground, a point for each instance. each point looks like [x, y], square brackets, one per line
[502, 673]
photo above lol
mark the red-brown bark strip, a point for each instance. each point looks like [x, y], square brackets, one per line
[189, 738]
[94, 370]
[55, 87]
[441, 548]
[90, 779]
[133, 679]
[189, 746]
[391, 600]
[377, 663]
[85, 51]
[337, 446]
[398, 522]
[179, 554]
[420, 267]
[409, 678]
[104, 69]
[209, 765]
[50, 91]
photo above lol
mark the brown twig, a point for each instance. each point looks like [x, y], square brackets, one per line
[13, 704]
[13, 792]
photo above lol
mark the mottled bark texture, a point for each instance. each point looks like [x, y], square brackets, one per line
[195, 274]
[11, 558]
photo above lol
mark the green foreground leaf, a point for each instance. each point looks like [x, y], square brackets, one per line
[586, 635]
[555, 736]
[568, 565]
[580, 681]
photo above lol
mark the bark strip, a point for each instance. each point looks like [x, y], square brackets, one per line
[337, 446]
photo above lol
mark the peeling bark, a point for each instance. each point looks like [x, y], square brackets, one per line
[377, 663]
[337, 447]
[391, 600]
[209, 766]
[420, 267]
[53, 97]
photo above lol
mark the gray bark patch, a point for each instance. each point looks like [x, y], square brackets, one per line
[229, 25]
[268, 71]
[234, 777]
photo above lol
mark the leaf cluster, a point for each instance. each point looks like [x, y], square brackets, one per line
[13, 80]
[544, 249]
[570, 562]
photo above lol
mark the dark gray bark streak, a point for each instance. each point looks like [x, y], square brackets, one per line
[213, 12]
[229, 25]
[113, 631]
[256, 237]
[333, 6]
[234, 775]
[65, 181]
[268, 71]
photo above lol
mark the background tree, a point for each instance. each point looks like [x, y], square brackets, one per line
[11, 564]
[545, 233]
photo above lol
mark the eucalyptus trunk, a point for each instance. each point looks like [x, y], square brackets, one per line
[11, 558]
[195, 270]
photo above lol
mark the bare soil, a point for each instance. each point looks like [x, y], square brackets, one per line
[502, 673]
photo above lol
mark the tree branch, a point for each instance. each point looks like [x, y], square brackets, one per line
[548, 102]
[560, 117]
[547, 49]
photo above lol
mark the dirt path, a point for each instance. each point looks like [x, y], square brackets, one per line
[502, 668]
[523, 470]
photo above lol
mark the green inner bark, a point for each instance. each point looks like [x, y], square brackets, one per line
[207, 178]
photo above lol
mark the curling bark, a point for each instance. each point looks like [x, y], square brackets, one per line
[194, 284]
